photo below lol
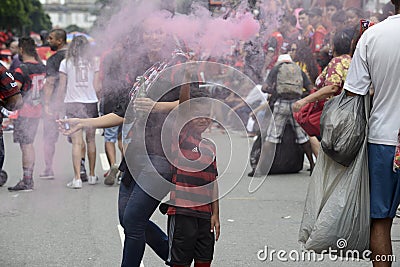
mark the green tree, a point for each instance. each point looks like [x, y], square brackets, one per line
[40, 20]
[23, 16]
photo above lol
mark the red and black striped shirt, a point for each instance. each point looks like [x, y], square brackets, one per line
[194, 176]
[8, 86]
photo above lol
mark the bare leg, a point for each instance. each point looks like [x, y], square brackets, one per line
[77, 141]
[120, 146]
[28, 156]
[91, 149]
[83, 152]
[110, 152]
[307, 149]
[381, 244]
[314, 145]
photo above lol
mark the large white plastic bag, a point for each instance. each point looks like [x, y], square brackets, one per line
[343, 124]
[337, 205]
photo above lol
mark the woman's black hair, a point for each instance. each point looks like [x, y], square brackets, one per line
[342, 41]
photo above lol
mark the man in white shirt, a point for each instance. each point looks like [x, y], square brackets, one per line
[376, 62]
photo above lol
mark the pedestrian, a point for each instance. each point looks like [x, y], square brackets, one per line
[15, 56]
[285, 83]
[330, 81]
[58, 42]
[135, 205]
[113, 83]
[193, 209]
[10, 98]
[78, 74]
[29, 77]
[376, 61]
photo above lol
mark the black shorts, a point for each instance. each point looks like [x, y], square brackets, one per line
[25, 130]
[81, 110]
[190, 238]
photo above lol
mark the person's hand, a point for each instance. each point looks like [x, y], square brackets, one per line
[73, 124]
[252, 115]
[143, 104]
[215, 226]
[298, 105]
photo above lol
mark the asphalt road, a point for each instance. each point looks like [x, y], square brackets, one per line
[57, 226]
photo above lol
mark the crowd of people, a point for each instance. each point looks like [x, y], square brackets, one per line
[314, 48]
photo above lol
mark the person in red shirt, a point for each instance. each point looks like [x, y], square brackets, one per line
[10, 98]
[29, 77]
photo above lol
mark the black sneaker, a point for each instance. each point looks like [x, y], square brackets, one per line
[251, 174]
[83, 174]
[3, 177]
[22, 185]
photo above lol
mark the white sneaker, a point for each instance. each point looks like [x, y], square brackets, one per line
[75, 184]
[93, 179]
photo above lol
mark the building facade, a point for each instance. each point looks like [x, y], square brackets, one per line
[64, 13]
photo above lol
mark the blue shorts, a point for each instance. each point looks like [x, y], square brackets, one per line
[111, 134]
[384, 183]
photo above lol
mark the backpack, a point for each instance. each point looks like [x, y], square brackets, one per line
[289, 80]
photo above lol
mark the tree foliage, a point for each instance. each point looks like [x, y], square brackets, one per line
[23, 16]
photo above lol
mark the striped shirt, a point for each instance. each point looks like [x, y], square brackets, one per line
[194, 176]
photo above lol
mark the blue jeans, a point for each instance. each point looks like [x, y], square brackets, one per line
[135, 208]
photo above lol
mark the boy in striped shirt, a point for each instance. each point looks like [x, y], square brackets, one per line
[193, 210]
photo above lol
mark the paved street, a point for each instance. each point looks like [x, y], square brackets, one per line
[57, 226]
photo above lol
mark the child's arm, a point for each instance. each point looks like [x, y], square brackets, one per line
[215, 225]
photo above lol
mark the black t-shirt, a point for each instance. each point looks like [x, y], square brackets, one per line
[53, 66]
[115, 85]
[155, 121]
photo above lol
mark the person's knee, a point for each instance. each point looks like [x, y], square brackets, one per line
[384, 223]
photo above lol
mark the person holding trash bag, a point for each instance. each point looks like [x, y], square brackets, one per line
[376, 61]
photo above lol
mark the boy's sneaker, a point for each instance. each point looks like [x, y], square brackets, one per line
[112, 175]
[47, 174]
[75, 184]
[93, 179]
[23, 185]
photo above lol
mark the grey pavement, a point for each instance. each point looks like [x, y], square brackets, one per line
[57, 226]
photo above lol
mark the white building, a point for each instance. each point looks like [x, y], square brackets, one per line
[70, 12]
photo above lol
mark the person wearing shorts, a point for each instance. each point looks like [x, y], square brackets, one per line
[376, 61]
[29, 77]
[78, 73]
[283, 113]
[193, 210]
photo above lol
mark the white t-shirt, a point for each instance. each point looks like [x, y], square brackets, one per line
[80, 79]
[376, 61]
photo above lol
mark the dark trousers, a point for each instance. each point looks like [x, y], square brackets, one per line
[137, 202]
